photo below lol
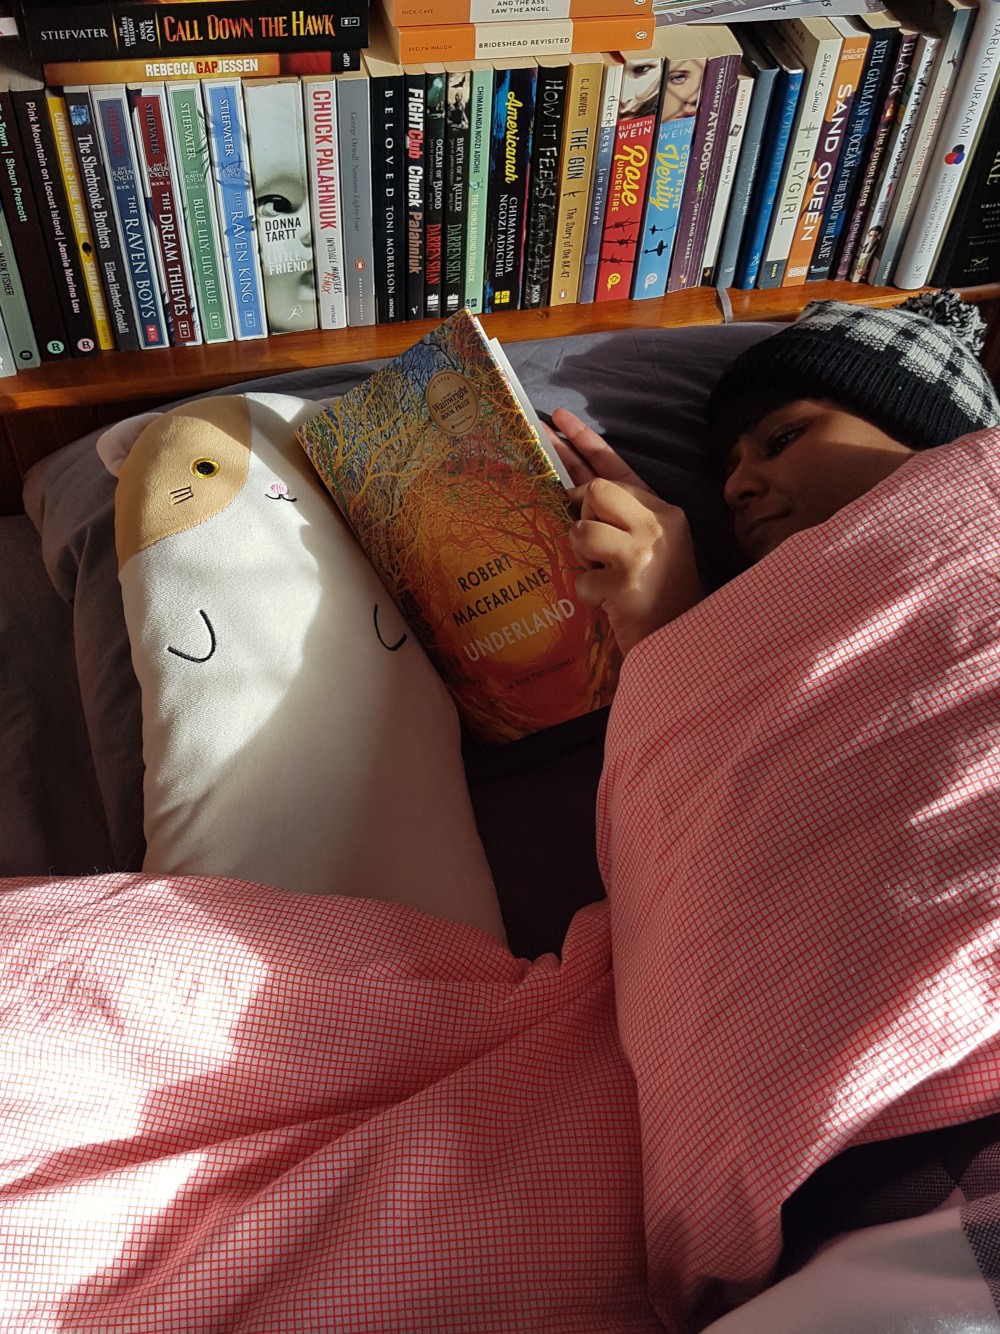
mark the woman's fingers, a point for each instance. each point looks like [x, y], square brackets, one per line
[579, 470]
[594, 452]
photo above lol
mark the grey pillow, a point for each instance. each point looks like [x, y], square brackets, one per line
[644, 390]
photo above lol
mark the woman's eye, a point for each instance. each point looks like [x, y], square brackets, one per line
[273, 205]
[781, 439]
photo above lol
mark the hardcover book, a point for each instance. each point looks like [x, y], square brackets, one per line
[434, 191]
[231, 173]
[407, 13]
[388, 112]
[457, 133]
[107, 244]
[970, 252]
[948, 163]
[354, 116]
[836, 118]
[136, 30]
[21, 213]
[199, 65]
[604, 148]
[319, 96]
[815, 44]
[198, 206]
[708, 145]
[537, 37]
[114, 132]
[845, 183]
[480, 117]
[913, 93]
[547, 140]
[79, 218]
[637, 115]
[583, 105]
[951, 20]
[774, 152]
[276, 133]
[510, 158]
[439, 471]
[151, 122]
[765, 77]
[853, 235]
[31, 115]
[685, 51]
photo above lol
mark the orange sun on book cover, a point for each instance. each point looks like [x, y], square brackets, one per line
[443, 479]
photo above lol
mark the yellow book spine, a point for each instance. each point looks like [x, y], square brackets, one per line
[583, 104]
[79, 220]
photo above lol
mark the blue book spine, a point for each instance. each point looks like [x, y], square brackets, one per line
[115, 135]
[863, 113]
[765, 81]
[772, 160]
[663, 206]
[237, 214]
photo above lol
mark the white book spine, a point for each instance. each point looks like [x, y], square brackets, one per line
[276, 133]
[929, 118]
[953, 145]
[801, 150]
[727, 174]
[323, 156]
[921, 67]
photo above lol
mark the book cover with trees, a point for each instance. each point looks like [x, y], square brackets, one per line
[446, 486]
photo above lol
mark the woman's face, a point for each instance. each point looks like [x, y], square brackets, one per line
[798, 466]
[642, 84]
[680, 97]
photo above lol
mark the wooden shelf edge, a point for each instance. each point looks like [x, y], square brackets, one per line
[129, 377]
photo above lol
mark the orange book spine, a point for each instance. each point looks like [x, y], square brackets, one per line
[838, 110]
[417, 13]
[479, 41]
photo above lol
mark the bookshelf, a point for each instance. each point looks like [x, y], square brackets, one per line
[42, 409]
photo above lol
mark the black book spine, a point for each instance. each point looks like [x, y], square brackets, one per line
[21, 213]
[970, 250]
[510, 165]
[434, 195]
[136, 30]
[388, 196]
[32, 118]
[550, 111]
[107, 246]
[456, 184]
[416, 158]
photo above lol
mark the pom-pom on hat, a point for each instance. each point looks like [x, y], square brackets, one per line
[912, 370]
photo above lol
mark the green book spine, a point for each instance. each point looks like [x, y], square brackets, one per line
[187, 121]
[480, 118]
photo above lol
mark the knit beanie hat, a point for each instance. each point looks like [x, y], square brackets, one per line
[913, 370]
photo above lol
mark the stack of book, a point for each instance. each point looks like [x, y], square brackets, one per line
[187, 206]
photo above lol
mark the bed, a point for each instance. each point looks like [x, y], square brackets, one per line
[491, 1138]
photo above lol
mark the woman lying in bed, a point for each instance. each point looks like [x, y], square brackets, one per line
[807, 421]
[226, 1107]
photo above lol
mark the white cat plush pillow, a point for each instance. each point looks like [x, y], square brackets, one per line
[294, 732]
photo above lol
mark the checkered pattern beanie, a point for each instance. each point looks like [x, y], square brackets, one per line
[912, 370]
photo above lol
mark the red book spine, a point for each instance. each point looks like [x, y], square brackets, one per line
[168, 221]
[626, 197]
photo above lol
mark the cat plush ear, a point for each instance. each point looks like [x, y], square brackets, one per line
[114, 445]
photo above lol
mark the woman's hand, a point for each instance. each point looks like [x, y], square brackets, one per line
[587, 455]
[642, 570]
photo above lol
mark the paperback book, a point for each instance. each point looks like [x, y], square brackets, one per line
[439, 469]
[319, 95]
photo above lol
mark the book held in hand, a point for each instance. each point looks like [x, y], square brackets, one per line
[437, 464]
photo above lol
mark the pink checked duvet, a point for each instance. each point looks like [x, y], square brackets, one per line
[225, 1108]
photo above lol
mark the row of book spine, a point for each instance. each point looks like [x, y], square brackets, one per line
[191, 211]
